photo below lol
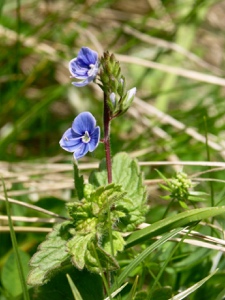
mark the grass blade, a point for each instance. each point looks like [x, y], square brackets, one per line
[117, 291]
[76, 293]
[145, 254]
[169, 223]
[15, 248]
[193, 288]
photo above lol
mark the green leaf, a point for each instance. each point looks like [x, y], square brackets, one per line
[192, 259]
[15, 246]
[126, 173]
[88, 284]
[77, 247]
[116, 292]
[132, 292]
[163, 293]
[76, 294]
[118, 242]
[10, 273]
[51, 254]
[80, 247]
[139, 259]
[78, 181]
[193, 288]
[91, 213]
[99, 256]
[165, 225]
[141, 295]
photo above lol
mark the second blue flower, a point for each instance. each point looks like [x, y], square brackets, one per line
[82, 137]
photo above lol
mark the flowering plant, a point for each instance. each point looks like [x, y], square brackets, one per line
[112, 204]
[114, 200]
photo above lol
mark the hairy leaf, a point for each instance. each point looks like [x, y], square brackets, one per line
[98, 259]
[51, 254]
[125, 172]
[88, 284]
[77, 247]
[91, 213]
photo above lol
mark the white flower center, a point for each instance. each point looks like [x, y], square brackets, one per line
[92, 70]
[86, 137]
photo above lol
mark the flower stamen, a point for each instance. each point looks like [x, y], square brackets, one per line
[86, 137]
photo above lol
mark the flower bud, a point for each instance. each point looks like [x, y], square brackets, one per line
[128, 99]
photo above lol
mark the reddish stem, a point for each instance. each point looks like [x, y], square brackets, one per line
[107, 119]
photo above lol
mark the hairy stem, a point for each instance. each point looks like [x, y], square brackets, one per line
[107, 139]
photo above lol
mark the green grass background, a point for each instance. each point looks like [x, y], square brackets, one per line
[171, 51]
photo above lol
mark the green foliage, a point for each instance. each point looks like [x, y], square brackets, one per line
[180, 189]
[158, 45]
[106, 209]
[10, 274]
[79, 182]
[187, 218]
[126, 173]
[20, 268]
[163, 293]
[92, 223]
[74, 289]
[96, 223]
[113, 85]
[51, 255]
[89, 286]
[190, 290]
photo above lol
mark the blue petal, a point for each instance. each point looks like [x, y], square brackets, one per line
[84, 122]
[70, 140]
[95, 136]
[80, 151]
[70, 145]
[88, 56]
[82, 83]
[77, 71]
[70, 134]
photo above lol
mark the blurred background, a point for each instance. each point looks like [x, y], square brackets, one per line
[171, 51]
[160, 44]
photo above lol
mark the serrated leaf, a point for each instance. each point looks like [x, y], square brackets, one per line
[165, 225]
[125, 172]
[99, 256]
[51, 254]
[118, 242]
[92, 213]
[88, 284]
[77, 247]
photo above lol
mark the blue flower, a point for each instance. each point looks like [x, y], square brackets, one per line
[84, 67]
[82, 137]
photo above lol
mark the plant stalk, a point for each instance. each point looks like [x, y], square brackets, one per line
[107, 119]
